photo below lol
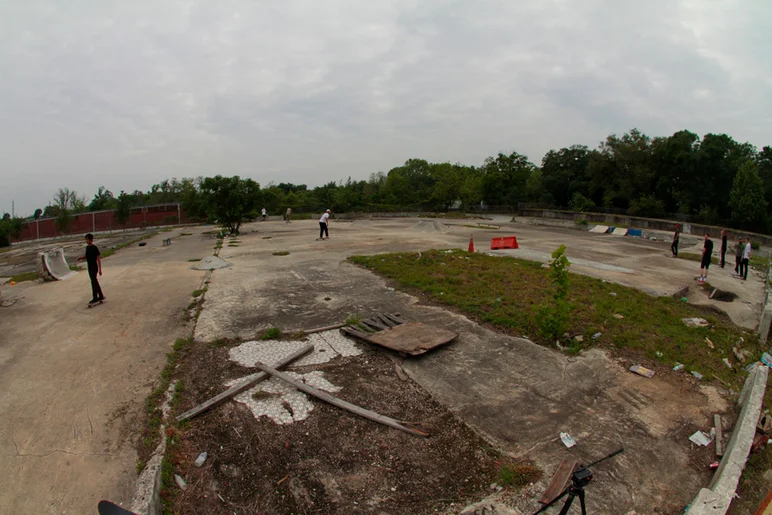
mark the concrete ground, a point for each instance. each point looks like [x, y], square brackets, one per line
[516, 393]
[73, 381]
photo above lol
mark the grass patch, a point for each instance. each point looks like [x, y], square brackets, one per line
[267, 237]
[507, 293]
[26, 276]
[76, 268]
[198, 293]
[281, 253]
[153, 414]
[352, 320]
[274, 333]
[518, 475]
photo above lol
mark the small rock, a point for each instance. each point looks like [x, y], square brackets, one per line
[596, 336]
[617, 315]
[579, 338]
[613, 294]
[180, 482]
[695, 322]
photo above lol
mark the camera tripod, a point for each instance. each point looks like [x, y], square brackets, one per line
[579, 479]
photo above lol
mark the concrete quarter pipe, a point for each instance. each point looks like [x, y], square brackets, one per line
[52, 266]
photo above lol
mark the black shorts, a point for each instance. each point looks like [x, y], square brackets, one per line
[705, 263]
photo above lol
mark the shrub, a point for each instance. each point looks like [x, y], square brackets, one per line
[555, 315]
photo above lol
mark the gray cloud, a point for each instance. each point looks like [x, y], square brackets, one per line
[126, 94]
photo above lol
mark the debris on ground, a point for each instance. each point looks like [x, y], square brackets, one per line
[180, 482]
[642, 371]
[766, 359]
[697, 375]
[700, 438]
[727, 363]
[695, 322]
[596, 336]
[567, 440]
[678, 366]
[618, 316]
[396, 333]
[559, 480]
[579, 338]
[200, 460]
[710, 343]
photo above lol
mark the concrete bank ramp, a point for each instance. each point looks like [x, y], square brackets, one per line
[600, 229]
[52, 266]
[430, 226]
[211, 263]
[619, 231]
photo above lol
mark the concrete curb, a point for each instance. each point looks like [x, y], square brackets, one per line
[715, 499]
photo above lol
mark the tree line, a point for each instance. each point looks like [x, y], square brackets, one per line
[713, 180]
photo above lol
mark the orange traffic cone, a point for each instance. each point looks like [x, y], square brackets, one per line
[471, 243]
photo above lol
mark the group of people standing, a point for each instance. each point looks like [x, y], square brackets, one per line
[742, 254]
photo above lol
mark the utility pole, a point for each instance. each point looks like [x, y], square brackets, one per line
[13, 209]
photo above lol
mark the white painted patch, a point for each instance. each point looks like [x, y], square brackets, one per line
[282, 396]
[327, 345]
[287, 404]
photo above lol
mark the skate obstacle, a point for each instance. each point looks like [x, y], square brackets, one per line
[52, 266]
[619, 231]
[600, 229]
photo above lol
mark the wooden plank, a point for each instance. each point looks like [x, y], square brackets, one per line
[559, 481]
[378, 326]
[386, 320]
[356, 334]
[719, 439]
[395, 318]
[413, 338]
[765, 508]
[242, 386]
[322, 329]
[326, 397]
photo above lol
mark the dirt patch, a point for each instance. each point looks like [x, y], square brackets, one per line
[333, 461]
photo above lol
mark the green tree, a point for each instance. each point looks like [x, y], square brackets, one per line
[123, 208]
[564, 172]
[38, 214]
[67, 203]
[230, 200]
[581, 203]
[749, 207]
[10, 227]
[102, 200]
[504, 178]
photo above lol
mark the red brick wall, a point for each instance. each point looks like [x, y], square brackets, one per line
[103, 221]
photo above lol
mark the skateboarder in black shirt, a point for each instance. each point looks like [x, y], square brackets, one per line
[94, 262]
[707, 254]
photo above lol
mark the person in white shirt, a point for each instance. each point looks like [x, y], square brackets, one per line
[746, 260]
[323, 222]
[263, 212]
[287, 215]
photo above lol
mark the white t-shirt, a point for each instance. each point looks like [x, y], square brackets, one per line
[263, 211]
[747, 252]
[324, 218]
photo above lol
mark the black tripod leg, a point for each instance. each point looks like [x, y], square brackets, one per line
[567, 505]
[581, 502]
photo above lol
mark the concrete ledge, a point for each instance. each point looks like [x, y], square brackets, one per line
[715, 499]
[764, 323]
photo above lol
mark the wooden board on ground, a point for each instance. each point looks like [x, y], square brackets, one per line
[559, 481]
[719, 435]
[395, 333]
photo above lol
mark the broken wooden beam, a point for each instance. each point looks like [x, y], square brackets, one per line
[322, 329]
[319, 394]
[242, 386]
[719, 439]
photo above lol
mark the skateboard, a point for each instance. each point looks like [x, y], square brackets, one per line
[96, 303]
[108, 508]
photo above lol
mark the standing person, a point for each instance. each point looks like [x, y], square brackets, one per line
[746, 260]
[263, 212]
[738, 255]
[94, 262]
[323, 223]
[707, 254]
[723, 247]
[287, 215]
[674, 245]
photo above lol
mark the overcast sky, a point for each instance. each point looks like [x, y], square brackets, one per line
[127, 93]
